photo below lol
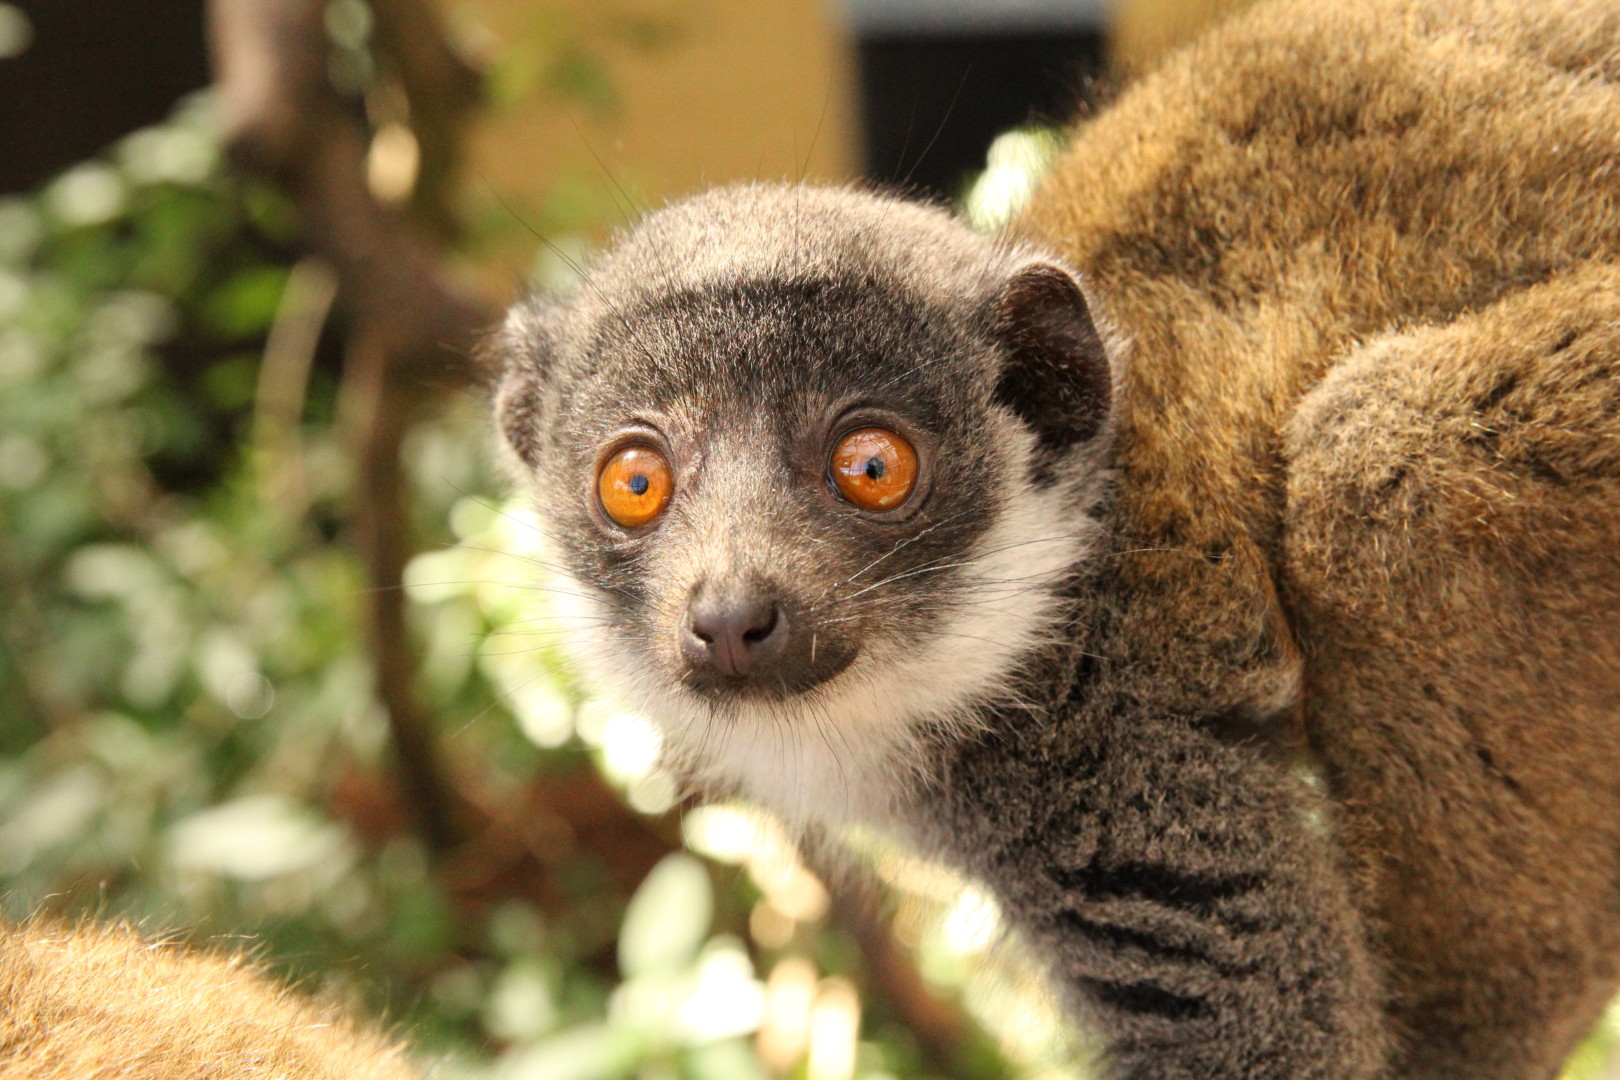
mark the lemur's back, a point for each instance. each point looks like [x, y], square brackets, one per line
[1397, 160]
[1369, 265]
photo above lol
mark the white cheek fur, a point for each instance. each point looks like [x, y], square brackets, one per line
[850, 750]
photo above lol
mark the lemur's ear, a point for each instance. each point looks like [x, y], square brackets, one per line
[1057, 376]
[521, 352]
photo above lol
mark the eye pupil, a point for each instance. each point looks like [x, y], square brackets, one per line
[638, 484]
[874, 468]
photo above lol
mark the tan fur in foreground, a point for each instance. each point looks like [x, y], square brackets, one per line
[100, 1003]
[1368, 257]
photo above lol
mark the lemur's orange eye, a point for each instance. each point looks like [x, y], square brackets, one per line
[874, 468]
[634, 486]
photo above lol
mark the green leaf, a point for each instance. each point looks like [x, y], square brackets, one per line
[58, 810]
[246, 304]
[586, 1052]
[522, 1004]
[256, 838]
[732, 1059]
[668, 917]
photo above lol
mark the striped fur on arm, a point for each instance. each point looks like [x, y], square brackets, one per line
[1180, 891]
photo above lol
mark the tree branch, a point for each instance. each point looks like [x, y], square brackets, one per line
[410, 328]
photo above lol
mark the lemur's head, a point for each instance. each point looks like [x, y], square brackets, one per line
[814, 463]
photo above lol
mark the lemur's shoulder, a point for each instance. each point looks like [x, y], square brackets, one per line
[1299, 122]
[1310, 174]
[1304, 179]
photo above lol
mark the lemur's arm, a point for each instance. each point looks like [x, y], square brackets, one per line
[1177, 889]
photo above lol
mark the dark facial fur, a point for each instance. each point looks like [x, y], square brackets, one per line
[742, 334]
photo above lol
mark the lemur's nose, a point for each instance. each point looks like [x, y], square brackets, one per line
[732, 631]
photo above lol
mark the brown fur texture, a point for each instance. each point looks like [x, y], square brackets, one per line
[104, 1003]
[1368, 259]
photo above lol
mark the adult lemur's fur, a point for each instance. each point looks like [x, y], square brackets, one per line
[101, 1003]
[1355, 503]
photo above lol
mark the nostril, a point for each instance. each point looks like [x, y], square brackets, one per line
[758, 633]
[702, 634]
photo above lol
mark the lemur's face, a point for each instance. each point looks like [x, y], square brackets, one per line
[798, 516]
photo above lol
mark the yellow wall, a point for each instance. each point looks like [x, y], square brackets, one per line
[1142, 31]
[735, 89]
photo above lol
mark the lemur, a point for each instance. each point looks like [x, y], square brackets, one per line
[92, 1002]
[1222, 563]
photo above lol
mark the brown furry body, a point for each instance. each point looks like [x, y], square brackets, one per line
[101, 1003]
[1368, 260]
